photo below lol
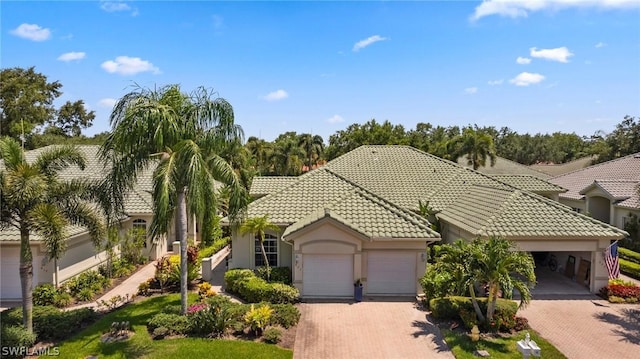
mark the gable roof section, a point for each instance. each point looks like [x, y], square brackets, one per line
[554, 170]
[264, 185]
[622, 193]
[622, 169]
[504, 166]
[530, 183]
[488, 211]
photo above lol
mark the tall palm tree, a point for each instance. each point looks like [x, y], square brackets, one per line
[180, 137]
[313, 147]
[285, 158]
[36, 201]
[497, 262]
[258, 226]
[477, 146]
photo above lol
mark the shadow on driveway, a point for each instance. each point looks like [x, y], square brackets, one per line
[627, 324]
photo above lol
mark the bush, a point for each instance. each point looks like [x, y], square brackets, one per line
[451, 307]
[144, 288]
[272, 335]
[211, 320]
[62, 299]
[205, 290]
[16, 337]
[285, 315]
[44, 294]
[50, 323]
[277, 275]
[436, 284]
[630, 268]
[87, 280]
[253, 289]
[85, 295]
[629, 255]
[217, 245]
[258, 317]
[160, 333]
[175, 323]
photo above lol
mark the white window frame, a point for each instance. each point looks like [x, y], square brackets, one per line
[257, 255]
[141, 224]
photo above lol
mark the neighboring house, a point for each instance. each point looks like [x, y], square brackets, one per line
[504, 166]
[608, 191]
[356, 218]
[81, 254]
[554, 170]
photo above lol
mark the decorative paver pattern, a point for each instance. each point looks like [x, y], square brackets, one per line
[379, 329]
[587, 328]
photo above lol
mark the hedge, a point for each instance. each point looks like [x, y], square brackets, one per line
[630, 268]
[51, 323]
[450, 307]
[244, 283]
[629, 255]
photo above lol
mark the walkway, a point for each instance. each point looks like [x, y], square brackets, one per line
[370, 329]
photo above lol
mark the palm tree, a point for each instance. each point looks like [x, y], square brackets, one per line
[257, 226]
[313, 147]
[180, 137]
[477, 146]
[36, 201]
[285, 158]
[497, 262]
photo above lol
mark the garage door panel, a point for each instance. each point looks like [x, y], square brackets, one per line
[327, 275]
[391, 273]
[10, 286]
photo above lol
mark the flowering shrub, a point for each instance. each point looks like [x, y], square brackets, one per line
[619, 289]
[205, 290]
[196, 308]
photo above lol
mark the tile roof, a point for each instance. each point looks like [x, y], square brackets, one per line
[621, 192]
[489, 211]
[554, 170]
[504, 166]
[530, 183]
[264, 185]
[396, 178]
[619, 170]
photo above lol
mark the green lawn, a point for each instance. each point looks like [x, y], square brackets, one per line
[505, 348]
[141, 345]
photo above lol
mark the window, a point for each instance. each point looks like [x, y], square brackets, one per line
[141, 225]
[576, 209]
[270, 248]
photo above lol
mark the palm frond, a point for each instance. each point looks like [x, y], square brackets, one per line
[48, 222]
[11, 153]
[54, 159]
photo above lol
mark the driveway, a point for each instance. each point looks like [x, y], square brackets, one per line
[369, 329]
[587, 326]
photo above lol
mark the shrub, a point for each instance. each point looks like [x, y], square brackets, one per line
[630, 268]
[629, 255]
[217, 245]
[160, 333]
[272, 335]
[15, 337]
[233, 277]
[451, 307]
[175, 323]
[89, 279]
[144, 288]
[205, 290]
[619, 293]
[210, 319]
[172, 309]
[44, 294]
[50, 323]
[85, 295]
[282, 293]
[285, 315]
[276, 275]
[522, 323]
[253, 289]
[436, 284]
[258, 317]
[62, 299]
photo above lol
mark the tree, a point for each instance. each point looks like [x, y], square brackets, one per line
[313, 147]
[257, 226]
[26, 100]
[36, 201]
[286, 157]
[476, 145]
[180, 137]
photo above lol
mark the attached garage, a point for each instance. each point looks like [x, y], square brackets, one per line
[10, 287]
[327, 275]
[391, 272]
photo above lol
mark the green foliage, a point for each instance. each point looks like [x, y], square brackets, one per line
[175, 323]
[86, 285]
[437, 283]
[272, 335]
[254, 290]
[214, 248]
[274, 274]
[285, 315]
[15, 337]
[258, 226]
[461, 308]
[233, 278]
[62, 299]
[258, 317]
[85, 295]
[630, 268]
[211, 234]
[629, 255]
[50, 323]
[212, 320]
[500, 347]
[131, 245]
[44, 294]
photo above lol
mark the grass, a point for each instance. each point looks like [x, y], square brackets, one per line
[463, 348]
[141, 345]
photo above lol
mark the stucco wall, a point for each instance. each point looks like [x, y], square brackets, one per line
[10, 287]
[574, 203]
[243, 251]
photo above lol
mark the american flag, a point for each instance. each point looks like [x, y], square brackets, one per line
[611, 260]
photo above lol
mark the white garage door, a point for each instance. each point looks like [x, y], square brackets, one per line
[391, 273]
[10, 277]
[327, 275]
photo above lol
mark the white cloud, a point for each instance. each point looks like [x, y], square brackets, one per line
[32, 32]
[523, 60]
[471, 90]
[600, 44]
[526, 79]
[276, 95]
[117, 6]
[560, 54]
[107, 102]
[335, 119]
[495, 82]
[125, 65]
[522, 8]
[368, 41]
[72, 56]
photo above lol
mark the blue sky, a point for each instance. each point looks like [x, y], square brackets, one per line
[534, 66]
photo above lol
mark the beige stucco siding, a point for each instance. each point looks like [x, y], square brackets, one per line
[243, 251]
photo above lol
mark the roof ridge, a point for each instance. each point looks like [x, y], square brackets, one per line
[523, 165]
[491, 218]
[598, 164]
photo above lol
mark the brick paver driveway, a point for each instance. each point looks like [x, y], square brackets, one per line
[587, 326]
[370, 329]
